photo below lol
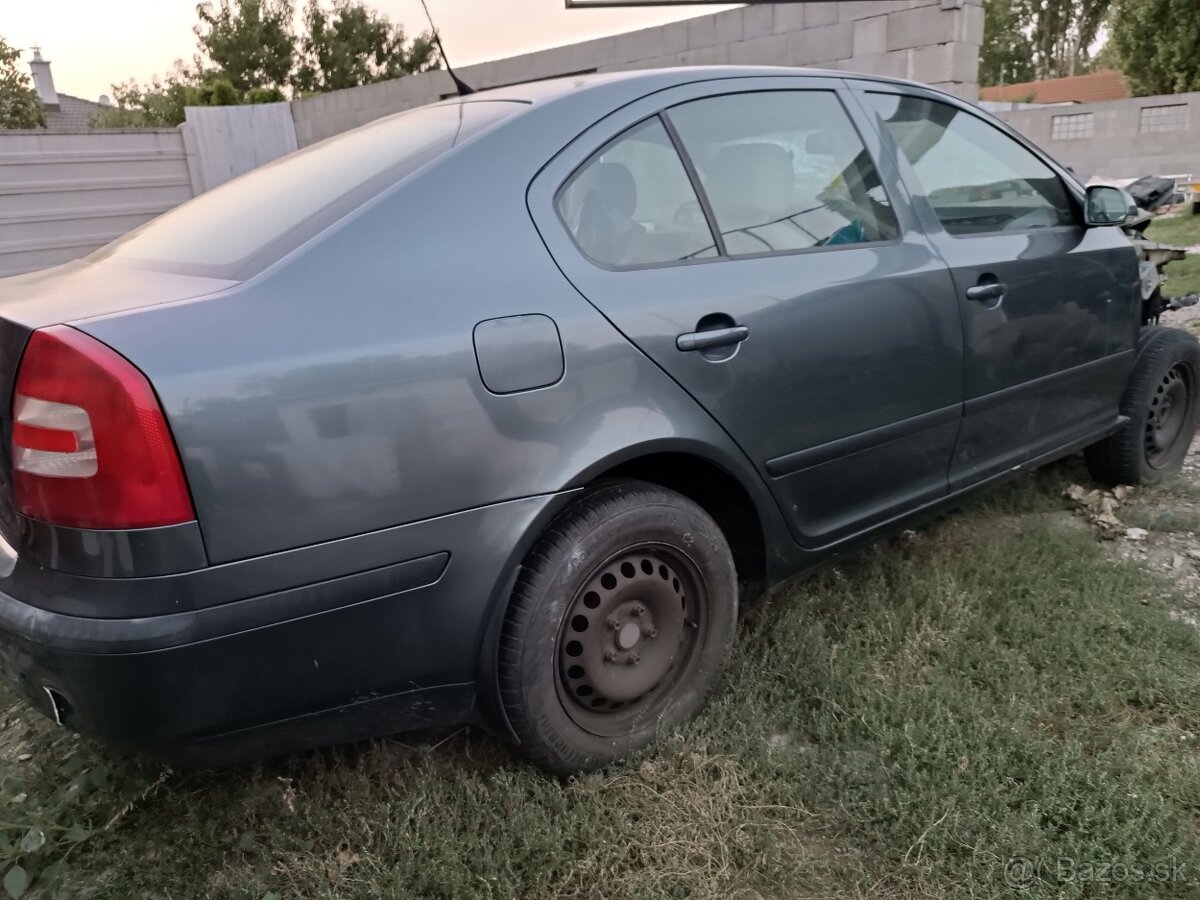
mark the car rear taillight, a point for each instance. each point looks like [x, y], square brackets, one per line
[91, 448]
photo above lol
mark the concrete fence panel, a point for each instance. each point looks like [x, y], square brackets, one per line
[64, 195]
[224, 142]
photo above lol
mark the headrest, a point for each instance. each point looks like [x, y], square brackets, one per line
[615, 185]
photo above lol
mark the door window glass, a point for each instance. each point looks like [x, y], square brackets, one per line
[784, 170]
[633, 203]
[977, 179]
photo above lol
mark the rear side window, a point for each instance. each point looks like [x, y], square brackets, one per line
[220, 231]
[633, 204]
[783, 171]
[978, 179]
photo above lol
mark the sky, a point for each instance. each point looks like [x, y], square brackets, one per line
[93, 45]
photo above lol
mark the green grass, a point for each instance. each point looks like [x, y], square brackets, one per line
[900, 725]
[1184, 231]
[1183, 277]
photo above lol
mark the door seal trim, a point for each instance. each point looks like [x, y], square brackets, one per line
[985, 402]
[791, 463]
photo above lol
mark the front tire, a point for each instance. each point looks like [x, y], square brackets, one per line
[621, 624]
[1160, 401]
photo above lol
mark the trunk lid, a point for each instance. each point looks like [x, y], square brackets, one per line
[85, 290]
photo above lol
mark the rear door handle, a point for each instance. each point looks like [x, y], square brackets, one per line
[718, 337]
[993, 291]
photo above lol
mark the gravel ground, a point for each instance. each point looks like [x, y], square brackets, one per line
[1158, 527]
[1188, 317]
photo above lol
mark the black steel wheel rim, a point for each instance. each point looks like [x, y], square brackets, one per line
[1167, 418]
[631, 634]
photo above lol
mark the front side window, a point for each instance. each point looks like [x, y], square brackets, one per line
[978, 179]
[632, 204]
[783, 171]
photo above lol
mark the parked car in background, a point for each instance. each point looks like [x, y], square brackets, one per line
[496, 410]
[1156, 194]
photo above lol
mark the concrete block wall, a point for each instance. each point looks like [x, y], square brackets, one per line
[934, 41]
[1117, 148]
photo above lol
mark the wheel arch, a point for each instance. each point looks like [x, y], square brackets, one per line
[719, 493]
[726, 488]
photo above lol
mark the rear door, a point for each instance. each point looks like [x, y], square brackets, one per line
[741, 233]
[1048, 306]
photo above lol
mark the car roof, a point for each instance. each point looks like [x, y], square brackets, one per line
[538, 92]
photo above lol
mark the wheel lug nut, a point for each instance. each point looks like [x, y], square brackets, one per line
[638, 609]
[634, 659]
[614, 623]
[650, 632]
[610, 655]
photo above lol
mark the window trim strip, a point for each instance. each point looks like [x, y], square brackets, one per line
[697, 187]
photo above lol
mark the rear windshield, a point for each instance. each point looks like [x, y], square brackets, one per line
[249, 222]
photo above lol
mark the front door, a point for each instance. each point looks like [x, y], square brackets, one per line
[1048, 306]
[743, 236]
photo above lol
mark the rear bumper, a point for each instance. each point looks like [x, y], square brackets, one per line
[389, 646]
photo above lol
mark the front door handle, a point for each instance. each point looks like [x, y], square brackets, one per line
[993, 291]
[718, 337]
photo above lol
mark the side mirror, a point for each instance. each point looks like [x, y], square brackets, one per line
[1107, 205]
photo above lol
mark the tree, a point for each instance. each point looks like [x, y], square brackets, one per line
[1063, 33]
[247, 53]
[1006, 56]
[20, 106]
[163, 102]
[1107, 56]
[351, 45]
[250, 41]
[1158, 43]
[159, 104]
[1026, 40]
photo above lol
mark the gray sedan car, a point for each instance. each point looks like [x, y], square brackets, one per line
[496, 409]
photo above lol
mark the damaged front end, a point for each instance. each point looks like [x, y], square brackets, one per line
[1153, 260]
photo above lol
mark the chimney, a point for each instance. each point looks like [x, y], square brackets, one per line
[43, 81]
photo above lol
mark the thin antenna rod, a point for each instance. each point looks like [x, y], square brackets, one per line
[462, 86]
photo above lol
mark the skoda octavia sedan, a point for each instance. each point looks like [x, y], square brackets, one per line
[496, 410]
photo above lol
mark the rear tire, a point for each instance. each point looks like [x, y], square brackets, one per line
[1160, 401]
[621, 624]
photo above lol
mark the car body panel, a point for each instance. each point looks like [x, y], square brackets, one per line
[1050, 360]
[845, 344]
[84, 289]
[408, 612]
[344, 395]
[371, 456]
